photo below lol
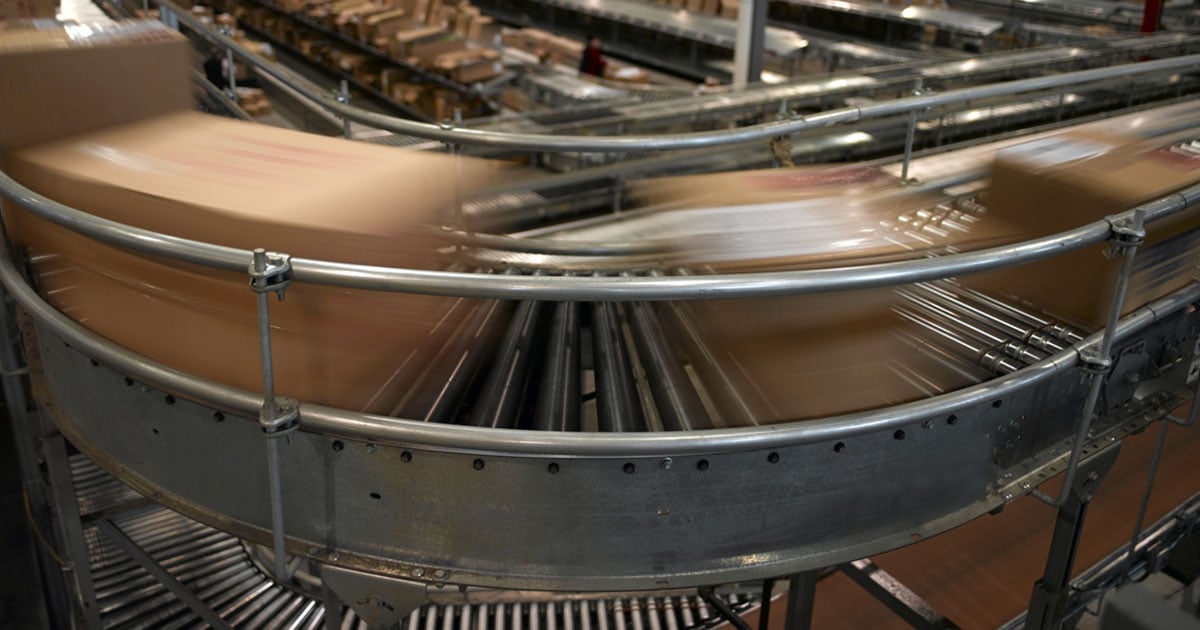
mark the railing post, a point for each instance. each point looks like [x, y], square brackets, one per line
[232, 74]
[279, 417]
[911, 135]
[343, 97]
[1096, 362]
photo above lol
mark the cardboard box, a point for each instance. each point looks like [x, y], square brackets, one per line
[246, 185]
[402, 42]
[426, 49]
[129, 70]
[1057, 183]
[385, 25]
[819, 355]
[484, 29]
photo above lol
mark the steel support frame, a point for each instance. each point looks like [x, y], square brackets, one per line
[898, 598]
[34, 488]
[1047, 604]
[69, 526]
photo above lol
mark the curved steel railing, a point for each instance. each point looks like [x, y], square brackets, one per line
[572, 288]
[453, 135]
[614, 289]
[361, 426]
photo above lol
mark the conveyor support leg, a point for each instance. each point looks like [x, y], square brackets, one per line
[1049, 599]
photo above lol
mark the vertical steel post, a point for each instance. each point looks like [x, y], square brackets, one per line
[802, 594]
[232, 74]
[618, 186]
[278, 417]
[343, 97]
[1141, 516]
[748, 42]
[1049, 598]
[66, 507]
[1097, 362]
[911, 136]
[32, 486]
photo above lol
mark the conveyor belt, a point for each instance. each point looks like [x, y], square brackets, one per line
[219, 571]
[947, 19]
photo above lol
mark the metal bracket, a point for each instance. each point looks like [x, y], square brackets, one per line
[380, 601]
[1126, 233]
[283, 421]
[1092, 362]
[275, 277]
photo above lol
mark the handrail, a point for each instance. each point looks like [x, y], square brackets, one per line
[452, 135]
[588, 288]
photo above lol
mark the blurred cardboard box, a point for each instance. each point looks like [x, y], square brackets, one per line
[382, 26]
[77, 78]
[814, 355]
[28, 9]
[469, 65]
[1057, 183]
[404, 42]
[245, 185]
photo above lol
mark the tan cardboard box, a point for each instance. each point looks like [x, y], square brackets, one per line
[127, 71]
[402, 41]
[427, 49]
[819, 355]
[385, 25]
[1054, 184]
[246, 185]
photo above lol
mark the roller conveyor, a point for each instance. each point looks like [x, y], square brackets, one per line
[131, 540]
[947, 19]
[647, 483]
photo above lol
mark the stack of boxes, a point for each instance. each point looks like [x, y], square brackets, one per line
[556, 49]
[253, 101]
[447, 37]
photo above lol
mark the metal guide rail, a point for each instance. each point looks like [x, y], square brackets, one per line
[454, 135]
[342, 487]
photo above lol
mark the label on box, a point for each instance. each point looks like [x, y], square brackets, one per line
[1183, 157]
[1055, 150]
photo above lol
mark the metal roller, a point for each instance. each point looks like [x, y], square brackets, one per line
[558, 403]
[437, 393]
[500, 399]
[675, 397]
[972, 328]
[969, 305]
[617, 404]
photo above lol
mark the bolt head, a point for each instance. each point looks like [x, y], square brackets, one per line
[440, 574]
[665, 463]
[418, 572]
[1008, 496]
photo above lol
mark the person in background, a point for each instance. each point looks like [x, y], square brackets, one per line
[593, 60]
[215, 70]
